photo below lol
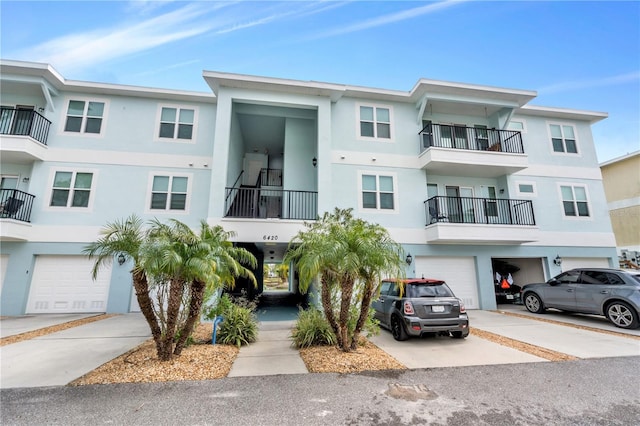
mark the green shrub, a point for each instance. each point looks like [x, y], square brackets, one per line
[312, 329]
[217, 307]
[240, 325]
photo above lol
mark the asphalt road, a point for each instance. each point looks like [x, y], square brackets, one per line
[600, 391]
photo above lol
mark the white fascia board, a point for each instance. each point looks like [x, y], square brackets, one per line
[138, 91]
[517, 96]
[216, 79]
[564, 113]
[618, 159]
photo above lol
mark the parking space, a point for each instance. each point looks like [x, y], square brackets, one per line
[581, 343]
[431, 352]
[581, 320]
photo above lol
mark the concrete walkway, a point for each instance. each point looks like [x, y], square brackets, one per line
[271, 354]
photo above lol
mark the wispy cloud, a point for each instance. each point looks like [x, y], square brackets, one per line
[588, 84]
[388, 19]
[151, 29]
[167, 68]
[93, 48]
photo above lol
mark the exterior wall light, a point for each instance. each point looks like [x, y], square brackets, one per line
[557, 260]
[314, 161]
[121, 259]
[409, 259]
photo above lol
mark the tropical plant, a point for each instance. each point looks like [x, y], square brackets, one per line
[312, 329]
[347, 255]
[179, 265]
[240, 325]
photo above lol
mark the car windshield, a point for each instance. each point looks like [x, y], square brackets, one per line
[429, 290]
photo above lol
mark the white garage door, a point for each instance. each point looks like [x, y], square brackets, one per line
[4, 262]
[63, 284]
[458, 272]
[584, 262]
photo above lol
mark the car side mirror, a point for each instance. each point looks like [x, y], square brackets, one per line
[553, 281]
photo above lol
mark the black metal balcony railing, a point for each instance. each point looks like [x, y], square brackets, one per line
[16, 204]
[271, 203]
[479, 210]
[24, 122]
[471, 138]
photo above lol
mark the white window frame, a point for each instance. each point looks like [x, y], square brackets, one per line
[375, 129]
[564, 145]
[526, 194]
[586, 191]
[178, 107]
[519, 120]
[86, 100]
[92, 191]
[377, 174]
[187, 203]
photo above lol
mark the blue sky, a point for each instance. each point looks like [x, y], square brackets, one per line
[580, 55]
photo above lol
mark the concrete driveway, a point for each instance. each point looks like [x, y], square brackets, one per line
[59, 358]
[448, 352]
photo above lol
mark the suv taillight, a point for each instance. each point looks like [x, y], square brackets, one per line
[407, 308]
[462, 308]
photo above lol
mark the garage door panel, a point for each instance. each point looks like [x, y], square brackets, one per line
[569, 263]
[63, 284]
[458, 272]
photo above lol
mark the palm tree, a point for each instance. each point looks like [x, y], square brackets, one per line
[179, 262]
[216, 263]
[126, 237]
[344, 252]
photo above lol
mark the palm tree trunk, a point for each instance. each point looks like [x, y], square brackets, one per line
[141, 287]
[176, 287]
[367, 295]
[325, 297]
[195, 306]
[346, 289]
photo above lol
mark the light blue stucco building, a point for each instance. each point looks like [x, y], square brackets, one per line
[467, 178]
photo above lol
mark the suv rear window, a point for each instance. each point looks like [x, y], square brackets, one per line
[429, 290]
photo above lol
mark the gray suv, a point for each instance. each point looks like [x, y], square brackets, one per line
[414, 306]
[610, 292]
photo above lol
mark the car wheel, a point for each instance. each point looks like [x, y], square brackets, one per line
[533, 303]
[622, 315]
[458, 335]
[397, 329]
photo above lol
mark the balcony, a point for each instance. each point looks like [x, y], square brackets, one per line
[15, 214]
[480, 220]
[24, 135]
[265, 203]
[471, 151]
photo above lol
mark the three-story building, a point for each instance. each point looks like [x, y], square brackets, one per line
[471, 180]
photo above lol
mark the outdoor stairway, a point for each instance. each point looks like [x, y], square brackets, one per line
[271, 354]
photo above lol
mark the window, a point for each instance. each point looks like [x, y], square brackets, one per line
[570, 277]
[563, 138]
[527, 188]
[491, 205]
[84, 117]
[601, 278]
[176, 123]
[574, 201]
[518, 125]
[378, 192]
[375, 122]
[169, 193]
[71, 189]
